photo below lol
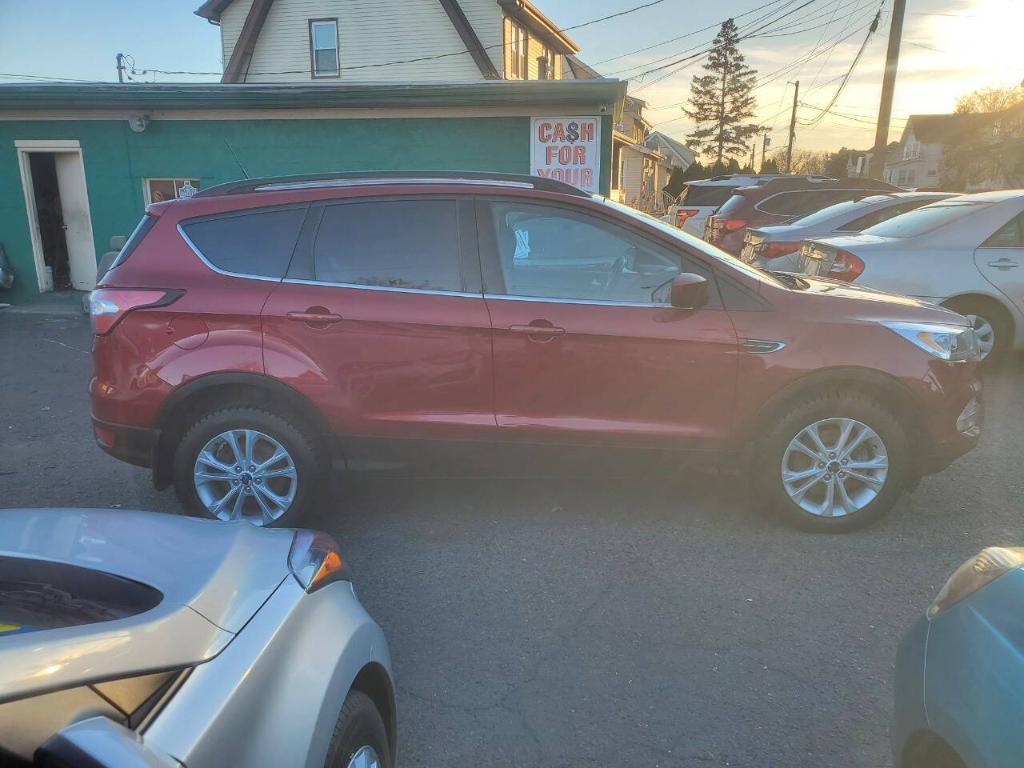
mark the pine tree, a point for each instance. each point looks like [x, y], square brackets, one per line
[721, 102]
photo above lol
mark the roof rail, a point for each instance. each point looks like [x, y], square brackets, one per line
[361, 178]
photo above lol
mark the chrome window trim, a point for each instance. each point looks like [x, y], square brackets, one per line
[589, 302]
[333, 183]
[218, 270]
[385, 288]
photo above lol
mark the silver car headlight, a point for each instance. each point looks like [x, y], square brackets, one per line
[986, 566]
[953, 343]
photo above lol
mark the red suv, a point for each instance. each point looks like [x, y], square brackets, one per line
[255, 335]
[779, 201]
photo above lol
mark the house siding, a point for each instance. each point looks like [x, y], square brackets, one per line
[369, 32]
[534, 49]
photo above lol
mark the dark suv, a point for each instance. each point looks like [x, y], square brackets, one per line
[781, 201]
[251, 337]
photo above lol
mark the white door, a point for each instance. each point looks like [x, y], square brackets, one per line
[74, 200]
[1001, 260]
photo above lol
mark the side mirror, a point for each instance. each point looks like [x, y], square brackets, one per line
[689, 291]
[99, 742]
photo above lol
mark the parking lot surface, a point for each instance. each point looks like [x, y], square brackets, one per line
[588, 623]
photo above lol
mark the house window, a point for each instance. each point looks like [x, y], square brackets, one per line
[517, 46]
[323, 48]
[546, 65]
[159, 190]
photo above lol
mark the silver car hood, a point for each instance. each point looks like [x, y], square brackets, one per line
[214, 576]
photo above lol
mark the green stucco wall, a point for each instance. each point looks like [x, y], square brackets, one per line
[117, 160]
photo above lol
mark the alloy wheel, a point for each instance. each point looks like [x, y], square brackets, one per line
[834, 467]
[985, 333]
[365, 757]
[243, 474]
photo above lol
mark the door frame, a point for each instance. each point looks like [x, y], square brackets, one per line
[24, 148]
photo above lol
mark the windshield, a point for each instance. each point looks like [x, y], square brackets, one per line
[850, 207]
[923, 220]
[694, 243]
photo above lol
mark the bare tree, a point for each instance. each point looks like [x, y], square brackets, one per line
[994, 99]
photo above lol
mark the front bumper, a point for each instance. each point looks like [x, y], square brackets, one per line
[955, 430]
[910, 718]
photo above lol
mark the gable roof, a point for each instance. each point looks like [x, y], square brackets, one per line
[946, 129]
[212, 9]
[580, 70]
[676, 150]
[527, 13]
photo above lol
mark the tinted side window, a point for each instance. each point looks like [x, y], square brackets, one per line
[390, 244]
[705, 195]
[551, 252]
[1010, 235]
[138, 234]
[807, 201]
[882, 214]
[258, 243]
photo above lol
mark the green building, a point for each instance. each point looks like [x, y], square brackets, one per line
[79, 163]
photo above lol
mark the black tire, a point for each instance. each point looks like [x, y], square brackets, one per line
[359, 725]
[301, 447]
[996, 316]
[833, 404]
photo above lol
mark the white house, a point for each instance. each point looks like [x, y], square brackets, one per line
[276, 41]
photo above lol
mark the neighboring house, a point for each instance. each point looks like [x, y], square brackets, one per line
[678, 154]
[639, 171]
[917, 159]
[858, 164]
[279, 41]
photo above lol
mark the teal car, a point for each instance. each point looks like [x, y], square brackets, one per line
[960, 671]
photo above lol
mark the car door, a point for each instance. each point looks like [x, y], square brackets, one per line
[381, 321]
[1001, 259]
[586, 347]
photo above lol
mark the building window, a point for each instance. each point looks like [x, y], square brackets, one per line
[546, 65]
[517, 49]
[159, 190]
[323, 48]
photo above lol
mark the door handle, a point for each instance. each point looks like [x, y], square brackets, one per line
[1003, 263]
[538, 333]
[316, 317]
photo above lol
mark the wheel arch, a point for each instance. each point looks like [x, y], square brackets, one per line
[207, 392]
[926, 749]
[986, 298]
[374, 681]
[888, 389]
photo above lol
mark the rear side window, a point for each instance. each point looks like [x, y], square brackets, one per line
[807, 201]
[882, 214]
[136, 237]
[923, 219]
[390, 244]
[705, 195]
[258, 243]
[1010, 235]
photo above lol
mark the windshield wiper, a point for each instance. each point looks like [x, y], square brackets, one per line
[790, 280]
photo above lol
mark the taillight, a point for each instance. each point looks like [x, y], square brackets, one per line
[108, 306]
[731, 225]
[775, 250]
[846, 266]
[314, 560]
[684, 214]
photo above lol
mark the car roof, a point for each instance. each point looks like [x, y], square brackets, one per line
[396, 178]
[999, 196]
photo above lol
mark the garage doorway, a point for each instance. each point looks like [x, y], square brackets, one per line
[57, 201]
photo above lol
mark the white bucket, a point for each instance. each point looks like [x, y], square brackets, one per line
[47, 279]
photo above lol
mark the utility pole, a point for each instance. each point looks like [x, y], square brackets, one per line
[753, 156]
[876, 166]
[120, 67]
[765, 141]
[792, 127]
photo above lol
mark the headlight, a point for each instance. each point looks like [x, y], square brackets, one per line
[986, 566]
[314, 560]
[954, 343]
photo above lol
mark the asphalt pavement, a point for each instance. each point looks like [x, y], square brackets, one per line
[589, 623]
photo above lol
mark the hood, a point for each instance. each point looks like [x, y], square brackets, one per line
[869, 304]
[213, 577]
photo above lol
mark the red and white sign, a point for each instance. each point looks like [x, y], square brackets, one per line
[567, 149]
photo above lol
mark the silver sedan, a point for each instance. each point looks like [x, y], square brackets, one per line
[142, 639]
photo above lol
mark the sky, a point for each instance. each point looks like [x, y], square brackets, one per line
[949, 47]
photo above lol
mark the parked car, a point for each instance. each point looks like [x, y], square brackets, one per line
[136, 638]
[699, 199]
[778, 247]
[780, 201]
[252, 336]
[966, 253]
[960, 670]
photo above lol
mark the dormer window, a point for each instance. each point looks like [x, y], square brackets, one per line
[323, 48]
